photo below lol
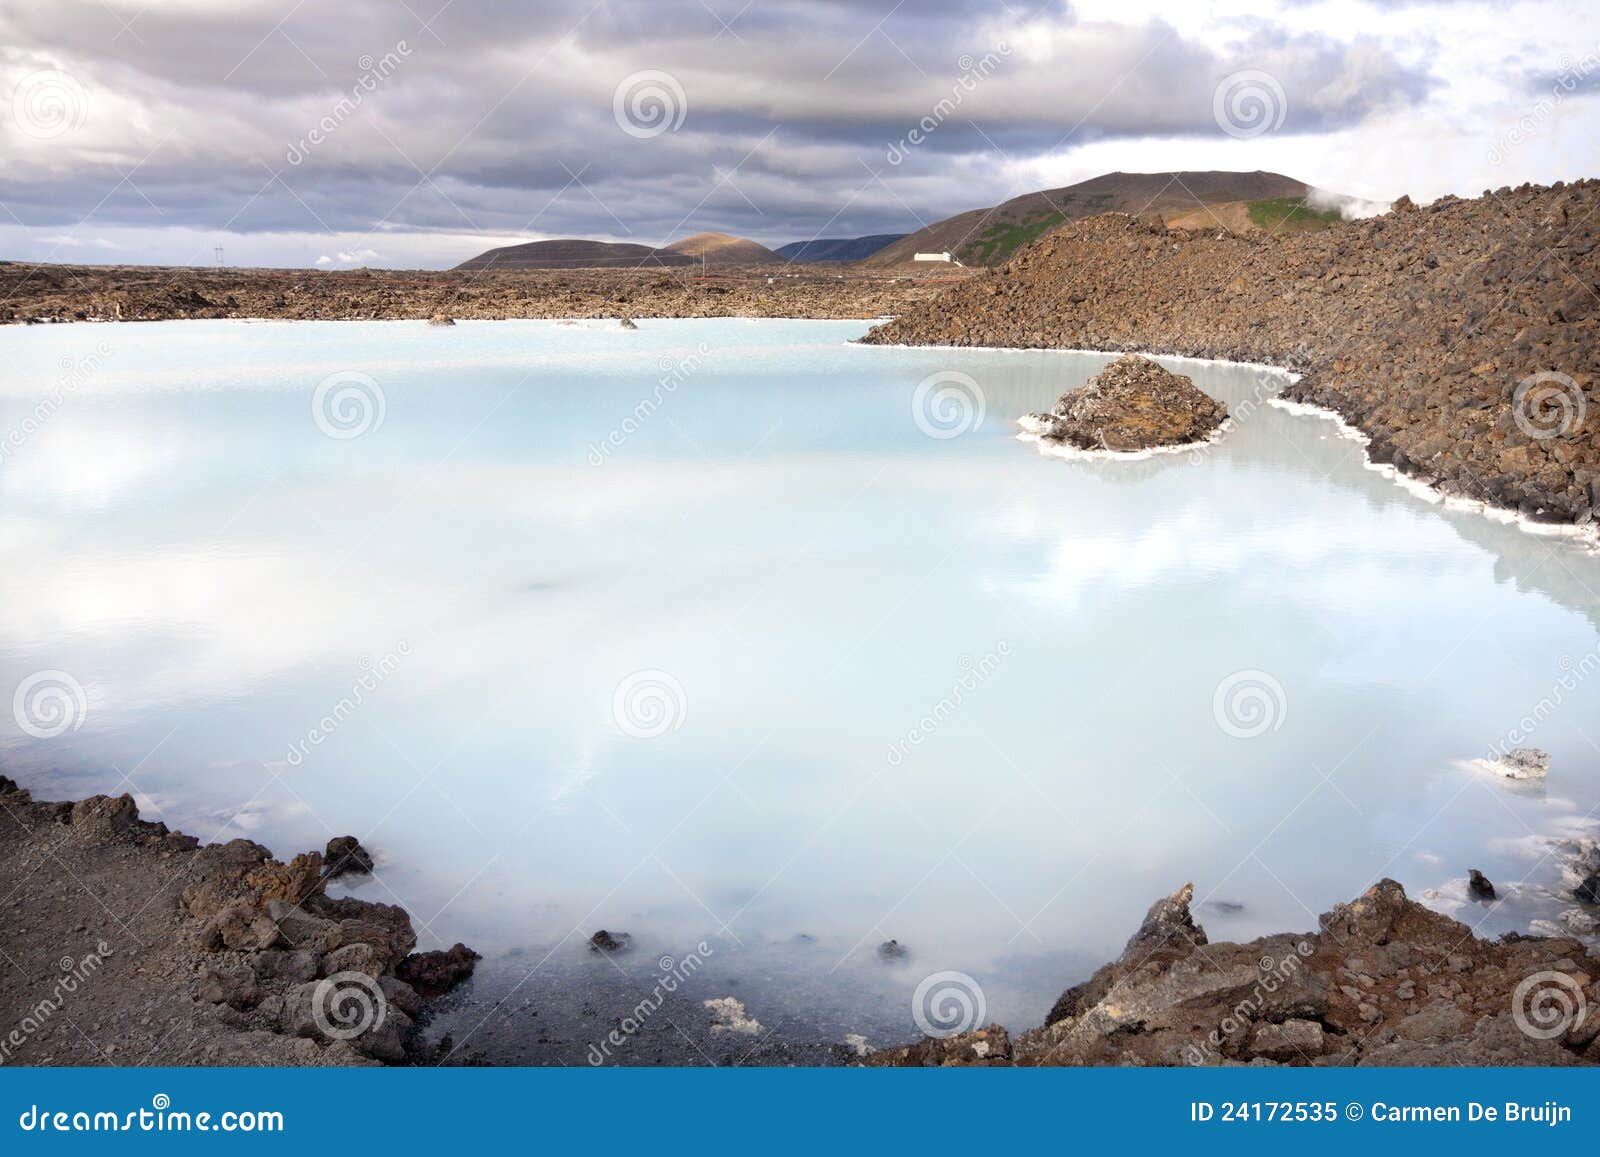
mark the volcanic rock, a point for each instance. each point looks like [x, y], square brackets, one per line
[433, 973]
[344, 855]
[603, 941]
[1133, 404]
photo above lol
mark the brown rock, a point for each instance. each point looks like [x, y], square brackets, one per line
[104, 817]
[433, 973]
[1133, 404]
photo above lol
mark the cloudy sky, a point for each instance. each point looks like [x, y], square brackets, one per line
[414, 133]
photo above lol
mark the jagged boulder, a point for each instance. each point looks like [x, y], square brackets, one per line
[344, 856]
[104, 817]
[1133, 404]
[433, 973]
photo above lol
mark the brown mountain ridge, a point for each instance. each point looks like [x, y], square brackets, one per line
[580, 253]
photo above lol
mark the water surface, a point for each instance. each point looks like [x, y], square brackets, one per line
[720, 631]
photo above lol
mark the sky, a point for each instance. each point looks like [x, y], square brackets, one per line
[416, 133]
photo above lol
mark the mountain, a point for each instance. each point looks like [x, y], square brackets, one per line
[989, 236]
[721, 249]
[836, 248]
[574, 253]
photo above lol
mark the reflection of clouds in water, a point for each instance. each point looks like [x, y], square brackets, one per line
[90, 462]
[813, 598]
[1352, 560]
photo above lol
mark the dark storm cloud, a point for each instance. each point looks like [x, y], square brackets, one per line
[500, 118]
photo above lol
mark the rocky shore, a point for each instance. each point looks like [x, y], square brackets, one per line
[1462, 337]
[1132, 405]
[36, 293]
[126, 943]
[1384, 981]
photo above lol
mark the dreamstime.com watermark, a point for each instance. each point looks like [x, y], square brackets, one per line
[1548, 1005]
[74, 975]
[1249, 703]
[1548, 404]
[373, 675]
[674, 373]
[49, 103]
[160, 1117]
[647, 704]
[1570, 82]
[1274, 975]
[973, 74]
[1239, 412]
[648, 103]
[947, 1004]
[675, 973]
[1574, 673]
[347, 404]
[75, 372]
[974, 673]
[347, 1005]
[1249, 103]
[948, 404]
[49, 703]
[373, 73]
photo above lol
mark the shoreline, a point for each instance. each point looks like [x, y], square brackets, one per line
[1588, 535]
[201, 973]
[185, 953]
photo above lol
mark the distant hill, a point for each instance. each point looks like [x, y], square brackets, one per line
[721, 249]
[574, 253]
[989, 236]
[580, 253]
[836, 248]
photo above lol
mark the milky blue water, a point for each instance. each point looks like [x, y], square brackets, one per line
[720, 630]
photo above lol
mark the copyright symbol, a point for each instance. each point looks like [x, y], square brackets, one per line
[1353, 1111]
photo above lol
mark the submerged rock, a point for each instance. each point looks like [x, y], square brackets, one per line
[1520, 763]
[892, 950]
[603, 941]
[433, 973]
[1133, 404]
[1579, 921]
[627, 323]
[731, 1016]
[344, 855]
[1480, 887]
[441, 319]
[1589, 890]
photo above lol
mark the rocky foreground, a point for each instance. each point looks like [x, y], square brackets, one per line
[1462, 337]
[34, 293]
[1132, 405]
[1385, 981]
[126, 943]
